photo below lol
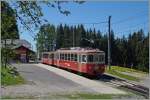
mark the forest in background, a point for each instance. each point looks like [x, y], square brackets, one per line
[130, 51]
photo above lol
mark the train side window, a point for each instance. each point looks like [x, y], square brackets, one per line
[55, 56]
[60, 56]
[45, 55]
[90, 58]
[79, 58]
[72, 57]
[100, 58]
[84, 58]
[51, 56]
[96, 58]
[75, 57]
[103, 58]
[65, 56]
[68, 57]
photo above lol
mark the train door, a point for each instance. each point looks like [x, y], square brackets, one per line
[79, 62]
[57, 59]
[52, 58]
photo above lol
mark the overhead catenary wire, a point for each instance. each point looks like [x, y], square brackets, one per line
[133, 27]
[127, 19]
[141, 23]
[90, 23]
[129, 30]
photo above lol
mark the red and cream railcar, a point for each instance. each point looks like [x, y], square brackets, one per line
[84, 60]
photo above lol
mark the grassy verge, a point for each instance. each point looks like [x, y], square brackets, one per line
[88, 96]
[128, 77]
[116, 70]
[10, 77]
[123, 69]
[71, 96]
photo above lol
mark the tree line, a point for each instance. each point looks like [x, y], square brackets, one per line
[131, 51]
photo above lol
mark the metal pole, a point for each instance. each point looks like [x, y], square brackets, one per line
[109, 43]
[73, 37]
[38, 56]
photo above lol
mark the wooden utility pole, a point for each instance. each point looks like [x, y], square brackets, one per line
[109, 43]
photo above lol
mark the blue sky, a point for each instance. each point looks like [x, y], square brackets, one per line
[126, 17]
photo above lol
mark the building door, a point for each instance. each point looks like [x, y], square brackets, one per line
[23, 58]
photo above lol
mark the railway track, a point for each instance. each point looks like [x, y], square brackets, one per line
[117, 82]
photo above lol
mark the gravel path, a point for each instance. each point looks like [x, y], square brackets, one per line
[41, 82]
[94, 85]
[44, 81]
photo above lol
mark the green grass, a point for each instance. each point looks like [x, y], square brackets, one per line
[18, 97]
[71, 96]
[128, 77]
[123, 69]
[90, 96]
[117, 71]
[7, 78]
[87, 96]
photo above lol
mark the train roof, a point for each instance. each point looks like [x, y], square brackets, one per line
[48, 52]
[79, 50]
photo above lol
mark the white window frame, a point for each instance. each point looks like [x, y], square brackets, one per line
[82, 56]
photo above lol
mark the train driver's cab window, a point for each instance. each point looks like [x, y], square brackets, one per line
[101, 58]
[84, 58]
